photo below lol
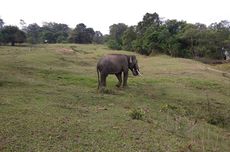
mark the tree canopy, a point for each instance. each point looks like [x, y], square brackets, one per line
[151, 35]
[175, 38]
[49, 32]
[12, 34]
[115, 35]
[82, 34]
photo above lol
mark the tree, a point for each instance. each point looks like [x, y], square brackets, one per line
[12, 34]
[98, 37]
[190, 37]
[33, 32]
[1, 23]
[54, 32]
[151, 41]
[81, 34]
[146, 42]
[152, 20]
[23, 25]
[128, 37]
[20, 37]
[174, 26]
[89, 34]
[220, 38]
[49, 37]
[169, 38]
[1, 26]
[116, 32]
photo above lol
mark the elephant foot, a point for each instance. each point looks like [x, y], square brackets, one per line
[101, 89]
[125, 86]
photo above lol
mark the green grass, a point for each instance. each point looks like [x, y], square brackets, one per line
[49, 102]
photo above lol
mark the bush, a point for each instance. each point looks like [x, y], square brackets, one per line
[218, 118]
[137, 114]
[114, 45]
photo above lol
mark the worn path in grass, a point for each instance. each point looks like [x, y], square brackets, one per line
[49, 102]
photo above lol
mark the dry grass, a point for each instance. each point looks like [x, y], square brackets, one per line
[49, 102]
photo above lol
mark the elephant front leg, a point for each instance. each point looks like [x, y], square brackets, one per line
[118, 75]
[125, 79]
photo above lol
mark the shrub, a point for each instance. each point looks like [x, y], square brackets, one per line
[137, 114]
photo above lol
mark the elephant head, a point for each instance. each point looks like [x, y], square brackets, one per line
[133, 66]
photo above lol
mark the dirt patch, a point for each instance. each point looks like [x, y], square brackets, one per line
[211, 61]
[225, 74]
[65, 50]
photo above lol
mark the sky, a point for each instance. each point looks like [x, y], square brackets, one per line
[100, 14]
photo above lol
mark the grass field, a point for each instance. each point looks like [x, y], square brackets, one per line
[49, 102]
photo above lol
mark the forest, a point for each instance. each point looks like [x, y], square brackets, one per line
[152, 35]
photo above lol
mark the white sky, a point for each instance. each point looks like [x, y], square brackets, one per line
[100, 14]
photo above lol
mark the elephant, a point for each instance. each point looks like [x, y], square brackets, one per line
[116, 64]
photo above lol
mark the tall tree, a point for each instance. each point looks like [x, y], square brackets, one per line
[55, 32]
[170, 40]
[116, 32]
[20, 37]
[98, 37]
[23, 25]
[81, 34]
[33, 32]
[149, 19]
[1, 23]
[89, 34]
[78, 33]
[128, 37]
[190, 37]
[145, 42]
[1, 26]
[12, 34]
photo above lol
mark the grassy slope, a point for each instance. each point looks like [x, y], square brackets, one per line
[49, 102]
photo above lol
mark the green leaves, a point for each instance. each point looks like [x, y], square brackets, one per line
[153, 35]
[116, 33]
[12, 34]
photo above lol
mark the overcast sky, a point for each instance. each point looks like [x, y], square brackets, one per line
[100, 14]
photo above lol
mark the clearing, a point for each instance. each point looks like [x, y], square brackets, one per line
[49, 102]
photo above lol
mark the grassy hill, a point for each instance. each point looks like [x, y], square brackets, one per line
[49, 102]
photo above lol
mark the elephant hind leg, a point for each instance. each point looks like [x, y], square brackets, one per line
[119, 77]
[103, 80]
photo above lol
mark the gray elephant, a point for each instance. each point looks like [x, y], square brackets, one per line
[116, 64]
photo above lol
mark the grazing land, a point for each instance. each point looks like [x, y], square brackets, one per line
[49, 102]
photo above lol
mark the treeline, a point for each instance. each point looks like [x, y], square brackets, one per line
[49, 32]
[153, 35]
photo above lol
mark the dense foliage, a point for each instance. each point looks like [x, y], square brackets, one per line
[82, 35]
[153, 35]
[12, 34]
[49, 32]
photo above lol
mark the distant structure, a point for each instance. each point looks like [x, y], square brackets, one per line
[227, 55]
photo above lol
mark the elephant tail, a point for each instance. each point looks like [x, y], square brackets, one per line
[98, 78]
